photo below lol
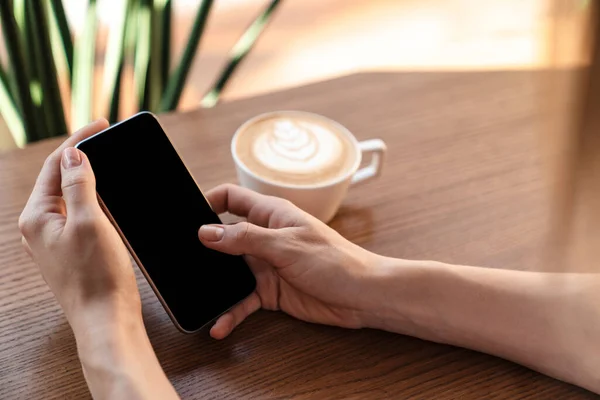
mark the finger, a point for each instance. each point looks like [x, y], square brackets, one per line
[232, 198]
[48, 181]
[232, 318]
[242, 202]
[246, 238]
[78, 184]
[45, 199]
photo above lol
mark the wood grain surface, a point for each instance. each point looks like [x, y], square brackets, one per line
[462, 184]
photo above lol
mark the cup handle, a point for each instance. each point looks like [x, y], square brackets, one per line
[376, 148]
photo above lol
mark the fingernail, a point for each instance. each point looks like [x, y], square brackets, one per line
[212, 233]
[71, 158]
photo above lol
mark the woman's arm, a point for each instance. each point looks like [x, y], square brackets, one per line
[87, 267]
[547, 321]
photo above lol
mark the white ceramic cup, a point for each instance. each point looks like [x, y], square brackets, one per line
[321, 200]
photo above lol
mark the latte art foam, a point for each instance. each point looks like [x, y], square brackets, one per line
[295, 149]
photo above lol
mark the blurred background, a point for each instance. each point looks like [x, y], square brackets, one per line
[311, 40]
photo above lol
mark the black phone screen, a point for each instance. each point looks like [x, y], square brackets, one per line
[159, 208]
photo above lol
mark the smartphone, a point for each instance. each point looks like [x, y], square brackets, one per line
[156, 206]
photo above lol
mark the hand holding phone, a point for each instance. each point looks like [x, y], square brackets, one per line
[157, 208]
[79, 253]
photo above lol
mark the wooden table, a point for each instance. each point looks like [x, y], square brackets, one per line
[462, 183]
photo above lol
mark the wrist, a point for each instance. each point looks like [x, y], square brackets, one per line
[106, 328]
[108, 332]
[116, 356]
[104, 317]
[399, 292]
[374, 304]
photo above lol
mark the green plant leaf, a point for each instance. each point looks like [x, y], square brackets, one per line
[141, 63]
[83, 70]
[19, 72]
[19, 11]
[33, 62]
[52, 107]
[6, 82]
[131, 33]
[58, 12]
[238, 52]
[131, 27]
[24, 27]
[166, 44]
[58, 50]
[159, 40]
[177, 80]
[114, 60]
[27, 26]
[10, 112]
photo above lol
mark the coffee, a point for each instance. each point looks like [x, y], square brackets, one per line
[305, 158]
[295, 148]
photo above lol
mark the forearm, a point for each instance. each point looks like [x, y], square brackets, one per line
[549, 322]
[118, 360]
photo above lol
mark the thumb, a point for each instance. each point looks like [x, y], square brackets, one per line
[78, 182]
[245, 238]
